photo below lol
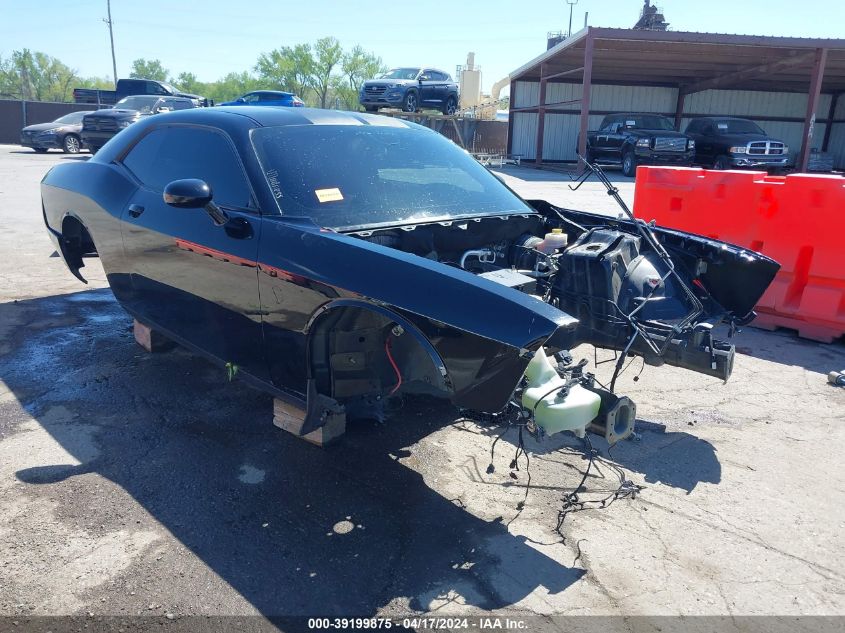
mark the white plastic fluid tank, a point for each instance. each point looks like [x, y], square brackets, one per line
[553, 241]
[572, 413]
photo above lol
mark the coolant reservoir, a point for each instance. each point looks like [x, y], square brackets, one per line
[555, 414]
[553, 241]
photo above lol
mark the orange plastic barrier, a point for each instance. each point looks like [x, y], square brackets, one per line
[798, 220]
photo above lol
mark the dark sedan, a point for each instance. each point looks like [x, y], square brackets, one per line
[384, 260]
[64, 133]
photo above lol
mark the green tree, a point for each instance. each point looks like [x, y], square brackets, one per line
[357, 66]
[327, 56]
[36, 76]
[231, 87]
[287, 69]
[148, 69]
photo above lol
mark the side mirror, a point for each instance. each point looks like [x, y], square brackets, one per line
[192, 193]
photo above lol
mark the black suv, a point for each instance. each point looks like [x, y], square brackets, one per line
[100, 126]
[411, 89]
[728, 142]
[630, 139]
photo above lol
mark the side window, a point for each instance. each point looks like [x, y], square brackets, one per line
[608, 124]
[269, 96]
[251, 98]
[181, 104]
[437, 76]
[173, 153]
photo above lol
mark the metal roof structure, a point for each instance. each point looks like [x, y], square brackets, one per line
[691, 62]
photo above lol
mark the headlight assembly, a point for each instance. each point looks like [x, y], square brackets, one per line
[643, 142]
[738, 149]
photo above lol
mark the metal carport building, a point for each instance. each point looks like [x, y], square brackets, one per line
[790, 86]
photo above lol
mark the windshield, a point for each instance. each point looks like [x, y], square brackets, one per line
[140, 103]
[401, 73]
[349, 176]
[647, 122]
[73, 117]
[737, 126]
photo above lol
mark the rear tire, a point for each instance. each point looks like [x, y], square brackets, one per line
[629, 163]
[71, 144]
[410, 103]
[451, 106]
[722, 162]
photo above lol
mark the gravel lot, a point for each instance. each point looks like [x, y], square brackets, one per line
[136, 484]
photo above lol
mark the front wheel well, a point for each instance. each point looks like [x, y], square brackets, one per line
[364, 354]
[76, 243]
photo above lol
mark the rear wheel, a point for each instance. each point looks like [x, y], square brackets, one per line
[451, 106]
[722, 162]
[629, 163]
[410, 103]
[371, 108]
[70, 144]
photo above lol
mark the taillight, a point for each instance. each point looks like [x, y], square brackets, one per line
[298, 103]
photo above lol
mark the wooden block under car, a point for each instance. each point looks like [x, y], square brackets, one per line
[150, 339]
[290, 418]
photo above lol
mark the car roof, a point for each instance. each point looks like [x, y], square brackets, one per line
[720, 118]
[269, 92]
[262, 116]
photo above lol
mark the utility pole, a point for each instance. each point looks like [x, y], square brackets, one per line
[111, 37]
[571, 4]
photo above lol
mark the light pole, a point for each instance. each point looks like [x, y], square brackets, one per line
[111, 37]
[571, 4]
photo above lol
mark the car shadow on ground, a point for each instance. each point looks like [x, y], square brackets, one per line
[293, 528]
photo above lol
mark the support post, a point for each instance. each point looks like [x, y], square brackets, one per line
[834, 99]
[150, 339]
[541, 117]
[679, 108]
[812, 103]
[585, 96]
[291, 418]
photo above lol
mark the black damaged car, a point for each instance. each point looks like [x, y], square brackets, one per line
[342, 259]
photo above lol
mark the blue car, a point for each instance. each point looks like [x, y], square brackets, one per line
[268, 98]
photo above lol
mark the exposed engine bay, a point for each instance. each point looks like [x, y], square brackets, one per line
[637, 289]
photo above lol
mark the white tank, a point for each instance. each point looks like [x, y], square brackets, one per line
[554, 414]
[552, 242]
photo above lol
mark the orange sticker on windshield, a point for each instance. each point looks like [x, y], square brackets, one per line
[328, 195]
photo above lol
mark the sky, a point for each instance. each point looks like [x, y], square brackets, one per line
[214, 37]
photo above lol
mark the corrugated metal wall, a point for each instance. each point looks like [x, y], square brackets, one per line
[561, 129]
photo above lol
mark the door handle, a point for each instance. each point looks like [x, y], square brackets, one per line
[135, 210]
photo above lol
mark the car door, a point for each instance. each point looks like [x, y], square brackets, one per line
[441, 85]
[192, 278]
[600, 146]
[428, 88]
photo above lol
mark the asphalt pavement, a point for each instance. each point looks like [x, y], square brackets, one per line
[136, 484]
